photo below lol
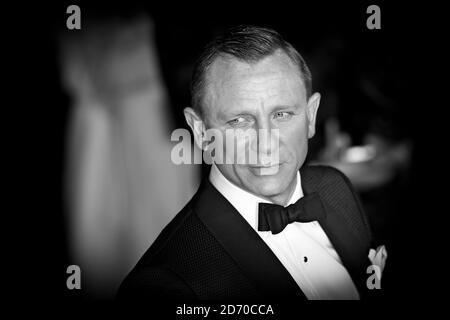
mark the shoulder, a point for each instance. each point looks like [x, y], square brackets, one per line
[153, 283]
[338, 192]
[321, 171]
[169, 234]
[176, 237]
[331, 184]
[156, 275]
[319, 177]
[175, 261]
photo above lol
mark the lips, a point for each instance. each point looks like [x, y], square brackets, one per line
[265, 170]
[259, 166]
[264, 167]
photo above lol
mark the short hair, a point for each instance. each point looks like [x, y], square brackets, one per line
[246, 43]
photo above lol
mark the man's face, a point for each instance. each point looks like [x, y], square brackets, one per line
[267, 95]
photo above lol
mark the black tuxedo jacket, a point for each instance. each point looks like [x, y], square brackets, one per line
[209, 252]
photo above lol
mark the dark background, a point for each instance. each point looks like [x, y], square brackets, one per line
[395, 53]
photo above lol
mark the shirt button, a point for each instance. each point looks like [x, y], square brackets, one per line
[305, 259]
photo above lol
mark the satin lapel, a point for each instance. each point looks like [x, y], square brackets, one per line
[351, 250]
[244, 245]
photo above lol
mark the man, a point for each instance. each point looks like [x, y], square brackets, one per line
[263, 230]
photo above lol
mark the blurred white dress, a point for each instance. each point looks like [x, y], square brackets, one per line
[122, 185]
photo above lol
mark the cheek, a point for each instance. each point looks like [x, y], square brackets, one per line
[294, 140]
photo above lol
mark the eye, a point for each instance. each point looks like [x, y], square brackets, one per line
[282, 115]
[237, 121]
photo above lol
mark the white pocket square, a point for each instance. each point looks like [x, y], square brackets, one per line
[378, 257]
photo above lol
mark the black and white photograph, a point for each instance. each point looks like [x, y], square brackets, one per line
[226, 160]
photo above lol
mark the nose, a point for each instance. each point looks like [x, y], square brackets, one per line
[267, 141]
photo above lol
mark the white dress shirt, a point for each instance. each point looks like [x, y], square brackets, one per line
[303, 248]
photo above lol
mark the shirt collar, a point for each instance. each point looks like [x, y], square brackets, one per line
[243, 201]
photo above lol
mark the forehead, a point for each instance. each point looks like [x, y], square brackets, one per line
[273, 79]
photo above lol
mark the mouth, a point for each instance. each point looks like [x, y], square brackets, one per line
[260, 166]
[265, 166]
[265, 170]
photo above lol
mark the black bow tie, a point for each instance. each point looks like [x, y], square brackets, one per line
[275, 218]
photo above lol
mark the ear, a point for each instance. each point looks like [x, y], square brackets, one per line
[197, 125]
[311, 112]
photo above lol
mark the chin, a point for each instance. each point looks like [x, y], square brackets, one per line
[269, 185]
[270, 190]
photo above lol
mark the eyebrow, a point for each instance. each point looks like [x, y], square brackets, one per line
[284, 107]
[230, 114]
